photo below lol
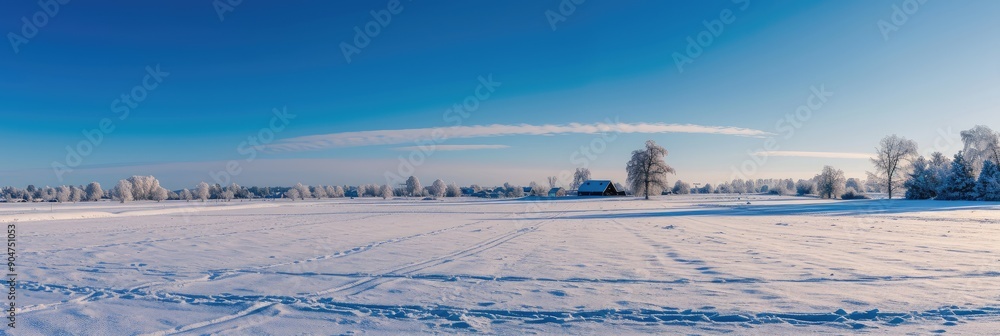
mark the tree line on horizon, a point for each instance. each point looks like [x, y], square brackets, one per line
[972, 174]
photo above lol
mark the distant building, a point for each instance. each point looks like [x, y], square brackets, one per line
[556, 192]
[599, 188]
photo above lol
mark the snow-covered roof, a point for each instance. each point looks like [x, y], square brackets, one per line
[594, 185]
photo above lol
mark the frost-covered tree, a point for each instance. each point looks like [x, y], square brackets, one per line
[830, 183]
[892, 157]
[201, 192]
[681, 188]
[144, 187]
[740, 187]
[553, 182]
[338, 191]
[186, 195]
[47, 194]
[303, 191]
[454, 191]
[724, 188]
[538, 189]
[515, 191]
[647, 170]
[960, 183]
[988, 184]
[922, 182]
[293, 194]
[438, 188]
[94, 192]
[63, 194]
[805, 187]
[76, 194]
[385, 191]
[581, 175]
[856, 184]
[319, 192]
[413, 187]
[981, 144]
[235, 190]
[941, 165]
[159, 194]
[123, 191]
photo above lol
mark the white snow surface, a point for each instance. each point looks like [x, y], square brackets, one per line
[672, 265]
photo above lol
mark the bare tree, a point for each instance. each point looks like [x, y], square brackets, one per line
[892, 157]
[581, 175]
[647, 170]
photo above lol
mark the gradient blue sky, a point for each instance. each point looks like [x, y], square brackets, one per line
[938, 74]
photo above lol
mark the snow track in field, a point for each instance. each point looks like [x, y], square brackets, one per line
[691, 265]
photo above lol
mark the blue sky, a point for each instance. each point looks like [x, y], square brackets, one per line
[609, 65]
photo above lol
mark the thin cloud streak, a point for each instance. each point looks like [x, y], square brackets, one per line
[825, 155]
[453, 147]
[402, 136]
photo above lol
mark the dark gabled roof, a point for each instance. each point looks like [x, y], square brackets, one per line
[594, 186]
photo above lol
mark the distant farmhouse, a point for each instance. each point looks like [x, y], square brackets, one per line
[599, 188]
[554, 192]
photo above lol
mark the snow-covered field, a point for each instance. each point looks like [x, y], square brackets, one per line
[677, 265]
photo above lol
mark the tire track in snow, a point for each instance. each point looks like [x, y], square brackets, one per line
[256, 307]
[696, 265]
[214, 275]
[484, 245]
[222, 234]
[456, 317]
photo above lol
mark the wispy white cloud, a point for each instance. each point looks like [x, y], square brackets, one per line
[402, 136]
[453, 147]
[825, 155]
